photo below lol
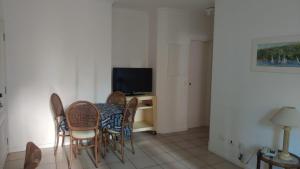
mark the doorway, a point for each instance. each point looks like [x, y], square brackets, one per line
[199, 76]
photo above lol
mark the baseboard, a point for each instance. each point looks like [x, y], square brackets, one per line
[23, 148]
[172, 130]
[226, 158]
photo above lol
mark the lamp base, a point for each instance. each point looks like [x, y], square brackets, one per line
[285, 156]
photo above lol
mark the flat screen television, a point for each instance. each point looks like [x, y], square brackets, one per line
[132, 81]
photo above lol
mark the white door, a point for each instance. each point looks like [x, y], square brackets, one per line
[199, 80]
[3, 108]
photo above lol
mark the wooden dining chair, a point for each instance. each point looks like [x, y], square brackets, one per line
[33, 156]
[61, 126]
[83, 120]
[117, 98]
[126, 128]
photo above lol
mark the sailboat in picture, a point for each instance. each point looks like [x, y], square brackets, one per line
[284, 60]
[277, 54]
[279, 60]
[272, 60]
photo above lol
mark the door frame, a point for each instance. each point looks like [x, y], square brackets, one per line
[204, 39]
[3, 100]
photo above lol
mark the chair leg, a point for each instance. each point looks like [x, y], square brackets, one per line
[131, 140]
[71, 152]
[56, 143]
[114, 142]
[99, 142]
[76, 149]
[104, 144]
[122, 148]
[63, 139]
[107, 142]
[77, 146]
[96, 150]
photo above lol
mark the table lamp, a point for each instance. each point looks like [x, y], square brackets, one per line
[286, 117]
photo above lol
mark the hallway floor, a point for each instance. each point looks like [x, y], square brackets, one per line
[181, 150]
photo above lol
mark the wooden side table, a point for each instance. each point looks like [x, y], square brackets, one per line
[275, 161]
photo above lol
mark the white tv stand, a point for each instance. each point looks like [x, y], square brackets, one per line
[145, 117]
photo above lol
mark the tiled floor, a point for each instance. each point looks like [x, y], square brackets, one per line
[182, 150]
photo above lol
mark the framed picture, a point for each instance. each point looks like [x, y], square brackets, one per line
[276, 54]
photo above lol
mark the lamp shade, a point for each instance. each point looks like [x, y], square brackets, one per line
[287, 116]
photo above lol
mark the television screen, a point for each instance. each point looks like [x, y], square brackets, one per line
[132, 80]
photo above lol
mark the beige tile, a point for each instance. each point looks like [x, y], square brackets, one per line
[138, 153]
[76, 164]
[225, 165]
[47, 166]
[14, 164]
[62, 165]
[16, 156]
[180, 150]
[87, 160]
[46, 159]
[211, 159]
[143, 162]
[120, 165]
[170, 147]
[173, 165]
[153, 151]
[181, 155]
[194, 163]
[185, 145]
[198, 151]
[154, 167]
[112, 157]
[163, 158]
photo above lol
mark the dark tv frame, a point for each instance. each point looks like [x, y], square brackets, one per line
[132, 93]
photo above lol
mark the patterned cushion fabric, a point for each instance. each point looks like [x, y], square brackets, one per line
[111, 118]
[63, 125]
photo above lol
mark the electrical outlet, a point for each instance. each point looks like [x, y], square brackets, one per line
[245, 154]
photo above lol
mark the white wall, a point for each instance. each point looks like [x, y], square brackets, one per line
[152, 45]
[130, 38]
[241, 99]
[3, 109]
[175, 30]
[61, 46]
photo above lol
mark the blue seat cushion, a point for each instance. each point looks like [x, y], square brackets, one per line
[63, 125]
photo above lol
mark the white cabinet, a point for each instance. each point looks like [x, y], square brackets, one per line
[145, 117]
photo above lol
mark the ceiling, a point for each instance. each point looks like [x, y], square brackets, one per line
[149, 4]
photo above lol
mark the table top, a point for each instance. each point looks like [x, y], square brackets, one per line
[294, 162]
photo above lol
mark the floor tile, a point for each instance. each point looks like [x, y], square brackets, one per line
[16, 156]
[193, 163]
[143, 162]
[225, 165]
[180, 150]
[173, 165]
[163, 158]
[211, 159]
[154, 167]
[120, 165]
[14, 164]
